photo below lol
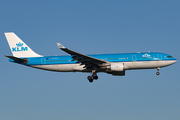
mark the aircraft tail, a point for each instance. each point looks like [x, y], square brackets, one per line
[18, 47]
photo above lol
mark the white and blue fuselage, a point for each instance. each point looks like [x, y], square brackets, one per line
[114, 64]
[145, 60]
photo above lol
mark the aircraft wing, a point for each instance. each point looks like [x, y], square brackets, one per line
[81, 58]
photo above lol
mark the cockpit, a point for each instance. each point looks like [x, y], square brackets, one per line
[169, 57]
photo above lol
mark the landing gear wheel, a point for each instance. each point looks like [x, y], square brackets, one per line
[90, 79]
[96, 77]
[157, 73]
[158, 69]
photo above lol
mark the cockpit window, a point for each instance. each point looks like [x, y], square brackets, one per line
[169, 56]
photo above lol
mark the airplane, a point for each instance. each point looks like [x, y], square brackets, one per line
[115, 64]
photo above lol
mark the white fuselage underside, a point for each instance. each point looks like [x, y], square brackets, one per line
[127, 66]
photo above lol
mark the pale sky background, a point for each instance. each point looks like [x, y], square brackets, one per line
[88, 27]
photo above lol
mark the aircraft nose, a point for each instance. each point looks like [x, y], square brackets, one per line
[175, 61]
[172, 62]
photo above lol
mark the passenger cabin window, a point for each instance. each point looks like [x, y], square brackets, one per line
[169, 56]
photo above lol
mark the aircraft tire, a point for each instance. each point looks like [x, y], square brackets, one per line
[96, 77]
[90, 79]
[157, 73]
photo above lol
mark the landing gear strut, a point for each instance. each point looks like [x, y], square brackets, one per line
[93, 76]
[158, 73]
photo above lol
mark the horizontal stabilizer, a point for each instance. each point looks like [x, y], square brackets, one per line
[18, 59]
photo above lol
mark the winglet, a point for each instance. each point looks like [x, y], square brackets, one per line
[60, 46]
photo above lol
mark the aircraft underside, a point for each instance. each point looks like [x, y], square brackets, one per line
[106, 69]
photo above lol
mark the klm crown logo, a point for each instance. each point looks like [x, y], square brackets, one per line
[19, 44]
[19, 47]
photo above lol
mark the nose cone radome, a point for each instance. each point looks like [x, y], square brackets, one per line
[173, 61]
[170, 62]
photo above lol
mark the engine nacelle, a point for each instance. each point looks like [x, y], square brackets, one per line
[119, 67]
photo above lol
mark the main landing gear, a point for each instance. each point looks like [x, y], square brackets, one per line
[92, 77]
[158, 73]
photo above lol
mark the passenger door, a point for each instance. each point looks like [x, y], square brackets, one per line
[134, 58]
[159, 56]
[43, 61]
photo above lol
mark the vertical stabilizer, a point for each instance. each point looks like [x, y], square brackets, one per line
[18, 47]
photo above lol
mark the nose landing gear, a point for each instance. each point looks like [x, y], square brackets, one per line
[158, 73]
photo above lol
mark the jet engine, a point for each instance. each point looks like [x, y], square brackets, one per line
[117, 67]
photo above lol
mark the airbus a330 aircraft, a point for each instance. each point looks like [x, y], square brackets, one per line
[114, 64]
